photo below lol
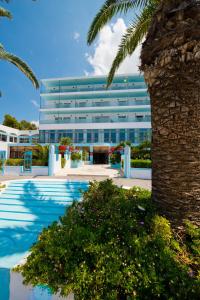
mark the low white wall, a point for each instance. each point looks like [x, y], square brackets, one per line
[12, 170]
[40, 171]
[20, 292]
[142, 173]
[17, 170]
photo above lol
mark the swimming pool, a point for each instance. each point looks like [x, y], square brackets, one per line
[26, 207]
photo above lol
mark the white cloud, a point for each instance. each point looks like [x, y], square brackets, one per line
[36, 123]
[76, 36]
[106, 48]
[35, 103]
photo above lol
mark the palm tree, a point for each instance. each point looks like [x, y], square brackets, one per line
[41, 153]
[19, 63]
[170, 60]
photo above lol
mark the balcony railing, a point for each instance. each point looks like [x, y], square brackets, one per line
[96, 104]
[93, 87]
[95, 120]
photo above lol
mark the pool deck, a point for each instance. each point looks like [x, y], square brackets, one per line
[120, 181]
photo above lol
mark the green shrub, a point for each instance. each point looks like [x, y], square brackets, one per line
[113, 246]
[39, 162]
[20, 162]
[141, 163]
[115, 158]
[1, 164]
[14, 162]
[85, 155]
[63, 162]
[66, 141]
[75, 156]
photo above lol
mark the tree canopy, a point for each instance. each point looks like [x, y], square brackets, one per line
[12, 122]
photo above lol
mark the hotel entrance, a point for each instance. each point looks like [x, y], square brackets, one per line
[100, 155]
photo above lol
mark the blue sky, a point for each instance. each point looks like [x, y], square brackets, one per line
[50, 35]
[43, 34]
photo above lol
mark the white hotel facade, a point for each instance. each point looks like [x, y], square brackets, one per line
[93, 116]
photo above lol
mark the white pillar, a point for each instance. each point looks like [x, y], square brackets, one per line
[127, 162]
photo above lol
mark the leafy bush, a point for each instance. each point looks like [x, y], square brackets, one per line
[142, 151]
[75, 156]
[39, 162]
[41, 155]
[20, 162]
[141, 163]
[113, 246]
[115, 158]
[1, 164]
[14, 162]
[66, 141]
[63, 162]
[85, 155]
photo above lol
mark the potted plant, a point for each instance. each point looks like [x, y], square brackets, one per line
[75, 159]
[65, 142]
[115, 160]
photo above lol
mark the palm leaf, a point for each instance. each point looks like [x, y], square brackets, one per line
[5, 13]
[133, 37]
[108, 11]
[20, 64]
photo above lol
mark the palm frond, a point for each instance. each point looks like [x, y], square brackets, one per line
[5, 13]
[133, 37]
[108, 11]
[20, 64]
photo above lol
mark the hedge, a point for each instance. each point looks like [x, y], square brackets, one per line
[141, 163]
[19, 162]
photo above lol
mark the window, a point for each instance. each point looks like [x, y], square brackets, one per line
[122, 136]
[89, 136]
[96, 136]
[122, 118]
[122, 102]
[131, 135]
[82, 104]
[113, 136]
[139, 118]
[11, 139]
[106, 136]
[24, 139]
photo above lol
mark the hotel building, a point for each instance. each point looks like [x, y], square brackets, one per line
[93, 116]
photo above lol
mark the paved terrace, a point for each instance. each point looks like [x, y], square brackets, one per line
[146, 184]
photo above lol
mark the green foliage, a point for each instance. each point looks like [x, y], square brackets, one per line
[1, 164]
[75, 156]
[123, 144]
[66, 141]
[63, 162]
[142, 151]
[41, 153]
[16, 61]
[20, 162]
[141, 163]
[112, 246]
[12, 122]
[14, 162]
[85, 155]
[115, 158]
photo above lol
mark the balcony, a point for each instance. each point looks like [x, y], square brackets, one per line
[93, 87]
[96, 104]
[96, 120]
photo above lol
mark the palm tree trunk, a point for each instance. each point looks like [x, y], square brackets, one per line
[171, 65]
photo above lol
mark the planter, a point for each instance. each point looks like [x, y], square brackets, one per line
[75, 163]
[116, 166]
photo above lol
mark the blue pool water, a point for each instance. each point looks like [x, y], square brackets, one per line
[26, 207]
